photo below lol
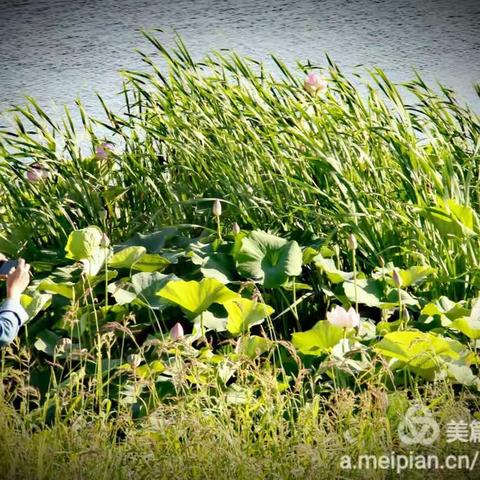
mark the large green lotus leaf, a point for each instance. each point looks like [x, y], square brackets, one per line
[268, 259]
[141, 289]
[367, 292]
[208, 321]
[82, 244]
[319, 339]
[309, 254]
[126, 257]
[470, 326]
[220, 266]
[411, 276]
[85, 246]
[153, 242]
[146, 286]
[415, 275]
[93, 265]
[136, 258]
[122, 293]
[462, 374]
[65, 289]
[213, 264]
[392, 299]
[243, 313]
[151, 262]
[327, 265]
[445, 306]
[33, 305]
[253, 346]
[419, 350]
[196, 297]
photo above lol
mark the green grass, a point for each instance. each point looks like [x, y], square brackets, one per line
[207, 436]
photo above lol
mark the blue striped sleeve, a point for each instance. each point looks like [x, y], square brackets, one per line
[12, 317]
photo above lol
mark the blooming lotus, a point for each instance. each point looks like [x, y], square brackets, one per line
[314, 83]
[343, 318]
[37, 172]
[177, 331]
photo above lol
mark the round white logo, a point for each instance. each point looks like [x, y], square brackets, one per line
[418, 427]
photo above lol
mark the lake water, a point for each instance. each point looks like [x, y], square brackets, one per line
[56, 50]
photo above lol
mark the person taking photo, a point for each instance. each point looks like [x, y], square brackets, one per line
[12, 314]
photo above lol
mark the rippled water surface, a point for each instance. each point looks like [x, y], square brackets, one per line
[55, 50]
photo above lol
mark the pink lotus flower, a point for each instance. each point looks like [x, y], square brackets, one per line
[343, 318]
[314, 83]
[104, 150]
[177, 331]
[37, 172]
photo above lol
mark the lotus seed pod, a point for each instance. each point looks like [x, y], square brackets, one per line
[217, 208]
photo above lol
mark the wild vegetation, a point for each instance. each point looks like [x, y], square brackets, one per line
[243, 264]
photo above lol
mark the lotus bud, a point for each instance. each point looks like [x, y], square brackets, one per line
[236, 228]
[217, 208]
[397, 279]
[103, 150]
[102, 215]
[343, 318]
[37, 172]
[177, 331]
[105, 241]
[352, 242]
[134, 360]
[314, 83]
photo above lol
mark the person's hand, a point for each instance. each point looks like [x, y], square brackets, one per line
[3, 258]
[18, 280]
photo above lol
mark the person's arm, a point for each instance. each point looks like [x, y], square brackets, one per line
[12, 317]
[12, 314]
